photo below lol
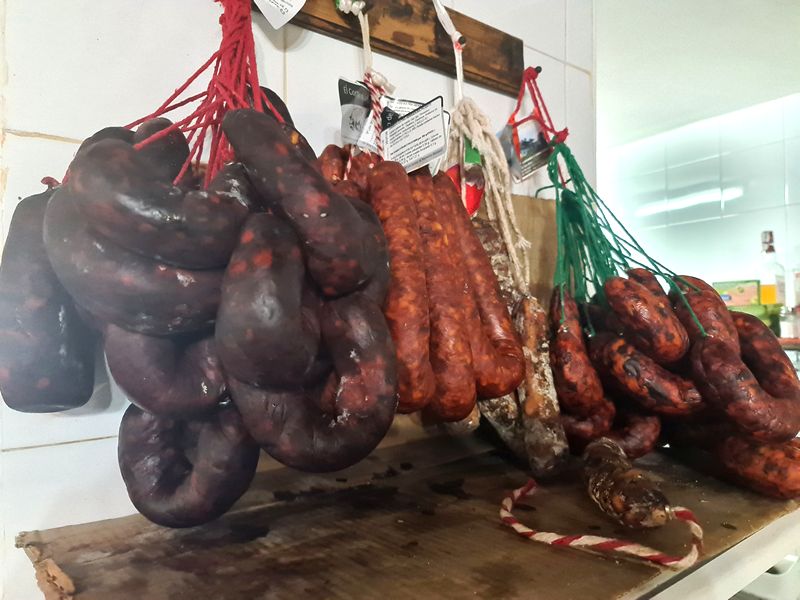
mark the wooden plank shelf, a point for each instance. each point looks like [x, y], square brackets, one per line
[414, 521]
[409, 30]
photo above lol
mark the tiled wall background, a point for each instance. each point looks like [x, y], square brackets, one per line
[74, 67]
[698, 197]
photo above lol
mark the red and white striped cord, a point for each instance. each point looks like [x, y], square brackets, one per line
[593, 543]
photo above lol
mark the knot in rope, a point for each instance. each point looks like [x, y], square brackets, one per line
[353, 7]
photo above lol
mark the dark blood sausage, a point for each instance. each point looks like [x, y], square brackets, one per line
[121, 287]
[168, 377]
[731, 387]
[644, 381]
[648, 320]
[648, 280]
[278, 104]
[627, 495]
[577, 382]
[340, 253]
[450, 353]
[708, 307]
[266, 333]
[763, 354]
[120, 198]
[636, 434]
[378, 286]
[46, 351]
[582, 430]
[497, 355]
[232, 186]
[331, 163]
[107, 133]
[406, 305]
[166, 155]
[185, 473]
[338, 422]
[772, 469]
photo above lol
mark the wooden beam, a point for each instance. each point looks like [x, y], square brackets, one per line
[409, 30]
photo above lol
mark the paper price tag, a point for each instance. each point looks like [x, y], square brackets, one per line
[419, 137]
[279, 12]
[354, 99]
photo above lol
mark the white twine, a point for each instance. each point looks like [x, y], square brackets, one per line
[356, 7]
[455, 37]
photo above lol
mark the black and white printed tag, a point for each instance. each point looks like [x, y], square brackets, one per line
[279, 12]
[419, 137]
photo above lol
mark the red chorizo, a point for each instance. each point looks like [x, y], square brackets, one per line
[582, 430]
[406, 306]
[331, 163]
[450, 353]
[636, 434]
[763, 354]
[497, 355]
[707, 306]
[641, 379]
[337, 422]
[648, 280]
[340, 254]
[768, 468]
[731, 387]
[577, 382]
[648, 319]
[361, 165]
[46, 350]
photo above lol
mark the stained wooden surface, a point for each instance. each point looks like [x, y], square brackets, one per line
[414, 521]
[409, 30]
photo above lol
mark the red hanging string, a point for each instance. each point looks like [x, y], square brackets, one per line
[233, 84]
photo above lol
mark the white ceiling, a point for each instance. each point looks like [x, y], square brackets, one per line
[664, 63]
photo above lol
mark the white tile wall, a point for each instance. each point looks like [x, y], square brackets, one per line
[727, 179]
[98, 63]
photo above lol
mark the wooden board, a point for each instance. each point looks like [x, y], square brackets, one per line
[418, 521]
[409, 30]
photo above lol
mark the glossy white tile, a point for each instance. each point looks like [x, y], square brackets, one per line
[694, 192]
[793, 170]
[580, 33]
[698, 141]
[581, 120]
[791, 116]
[754, 178]
[752, 126]
[641, 200]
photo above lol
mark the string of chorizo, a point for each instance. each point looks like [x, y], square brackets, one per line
[769, 468]
[707, 306]
[497, 354]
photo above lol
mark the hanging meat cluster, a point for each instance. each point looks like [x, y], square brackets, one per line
[639, 366]
[241, 316]
[454, 338]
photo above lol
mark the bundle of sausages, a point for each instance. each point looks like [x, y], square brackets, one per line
[716, 379]
[454, 338]
[242, 316]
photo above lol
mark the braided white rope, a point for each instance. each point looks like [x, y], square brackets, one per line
[468, 120]
[594, 543]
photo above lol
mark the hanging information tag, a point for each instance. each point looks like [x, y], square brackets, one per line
[418, 138]
[525, 148]
[279, 12]
[354, 99]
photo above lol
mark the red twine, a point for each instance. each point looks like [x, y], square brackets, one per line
[234, 80]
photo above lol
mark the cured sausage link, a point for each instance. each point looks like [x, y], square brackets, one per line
[762, 352]
[117, 193]
[641, 379]
[166, 376]
[769, 468]
[46, 351]
[121, 287]
[450, 353]
[648, 280]
[582, 430]
[648, 319]
[185, 473]
[267, 334]
[577, 383]
[638, 435]
[338, 422]
[622, 492]
[731, 387]
[340, 253]
[497, 354]
[406, 305]
[708, 308]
